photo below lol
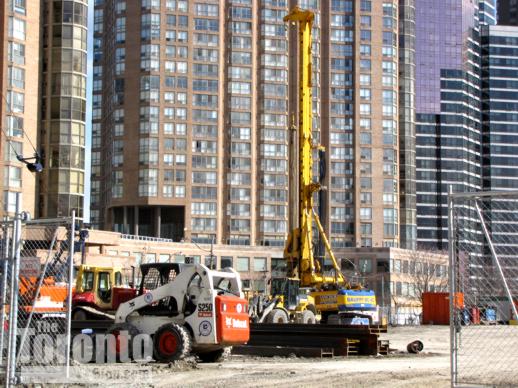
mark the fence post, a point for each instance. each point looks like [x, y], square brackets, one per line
[69, 299]
[451, 254]
[5, 268]
[15, 274]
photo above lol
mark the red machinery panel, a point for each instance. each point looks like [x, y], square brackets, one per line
[232, 321]
[122, 295]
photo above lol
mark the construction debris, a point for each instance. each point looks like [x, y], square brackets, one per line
[415, 347]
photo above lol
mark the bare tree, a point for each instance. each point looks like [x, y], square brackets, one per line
[425, 273]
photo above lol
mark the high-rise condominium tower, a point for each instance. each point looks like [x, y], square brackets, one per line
[192, 119]
[43, 88]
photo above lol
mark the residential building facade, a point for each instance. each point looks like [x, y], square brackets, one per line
[20, 37]
[43, 87]
[407, 161]
[192, 108]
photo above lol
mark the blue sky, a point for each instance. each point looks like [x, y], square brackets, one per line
[89, 111]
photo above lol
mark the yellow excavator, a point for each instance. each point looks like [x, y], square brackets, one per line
[328, 293]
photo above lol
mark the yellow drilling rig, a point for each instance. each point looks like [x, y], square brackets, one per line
[327, 292]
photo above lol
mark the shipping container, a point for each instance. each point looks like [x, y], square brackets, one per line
[436, 307]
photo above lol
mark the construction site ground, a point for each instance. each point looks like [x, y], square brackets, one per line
[430, 368]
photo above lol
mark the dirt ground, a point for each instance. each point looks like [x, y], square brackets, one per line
[400, 369]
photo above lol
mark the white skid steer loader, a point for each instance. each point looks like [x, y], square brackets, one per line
[186, 309]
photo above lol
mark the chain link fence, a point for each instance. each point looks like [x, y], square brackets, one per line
[483, 235]
[37, 280]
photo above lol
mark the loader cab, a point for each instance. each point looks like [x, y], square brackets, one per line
[288, 289]
[155, 275]
[100, 287]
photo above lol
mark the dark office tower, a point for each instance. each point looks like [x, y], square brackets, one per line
[407, 184]
[508, 12]
[500, 128]
[448, 112]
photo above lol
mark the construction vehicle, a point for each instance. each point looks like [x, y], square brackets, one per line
[99, 291]
[44, 296]
[187, 309]
[335, 298]
[51, 296]
[286, 304]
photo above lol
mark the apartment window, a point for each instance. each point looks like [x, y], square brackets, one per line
[365, 49]
[203, 208]
[206, 25]
[365, 138]
[272, 226]
[9, 201]
[365, 213]
[365, 124]
[15, 101]
[243, 264]
[179, 191]
[366, 198]
[365, 153]
[365, 79]
[14, 125]
[365, 265]
[365, 6]
[16, 53]
[206, 9]
[366, 242]
[365, 94]
[260, 264]
[366, 183]
[16, 28]
[12, 149]
[148, 182]
[365, 21]
[341, 6]
[12, 176]
[365, 109]
[19, 6]
[365, 35]
[365, 228]
[365, 64]
[240, 194]
[226, 261]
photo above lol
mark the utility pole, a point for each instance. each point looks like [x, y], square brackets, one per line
[212, 266]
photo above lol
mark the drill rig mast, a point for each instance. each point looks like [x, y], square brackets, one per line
[299, 248]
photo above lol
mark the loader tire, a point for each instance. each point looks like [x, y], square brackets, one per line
[116, 351]
[308, 317]
[215, 355]
[171, 342]
[79, 315]
[277, 316]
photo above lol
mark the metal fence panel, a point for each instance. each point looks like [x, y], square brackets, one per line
[36, 284]
[484, 285]
[6, 241]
